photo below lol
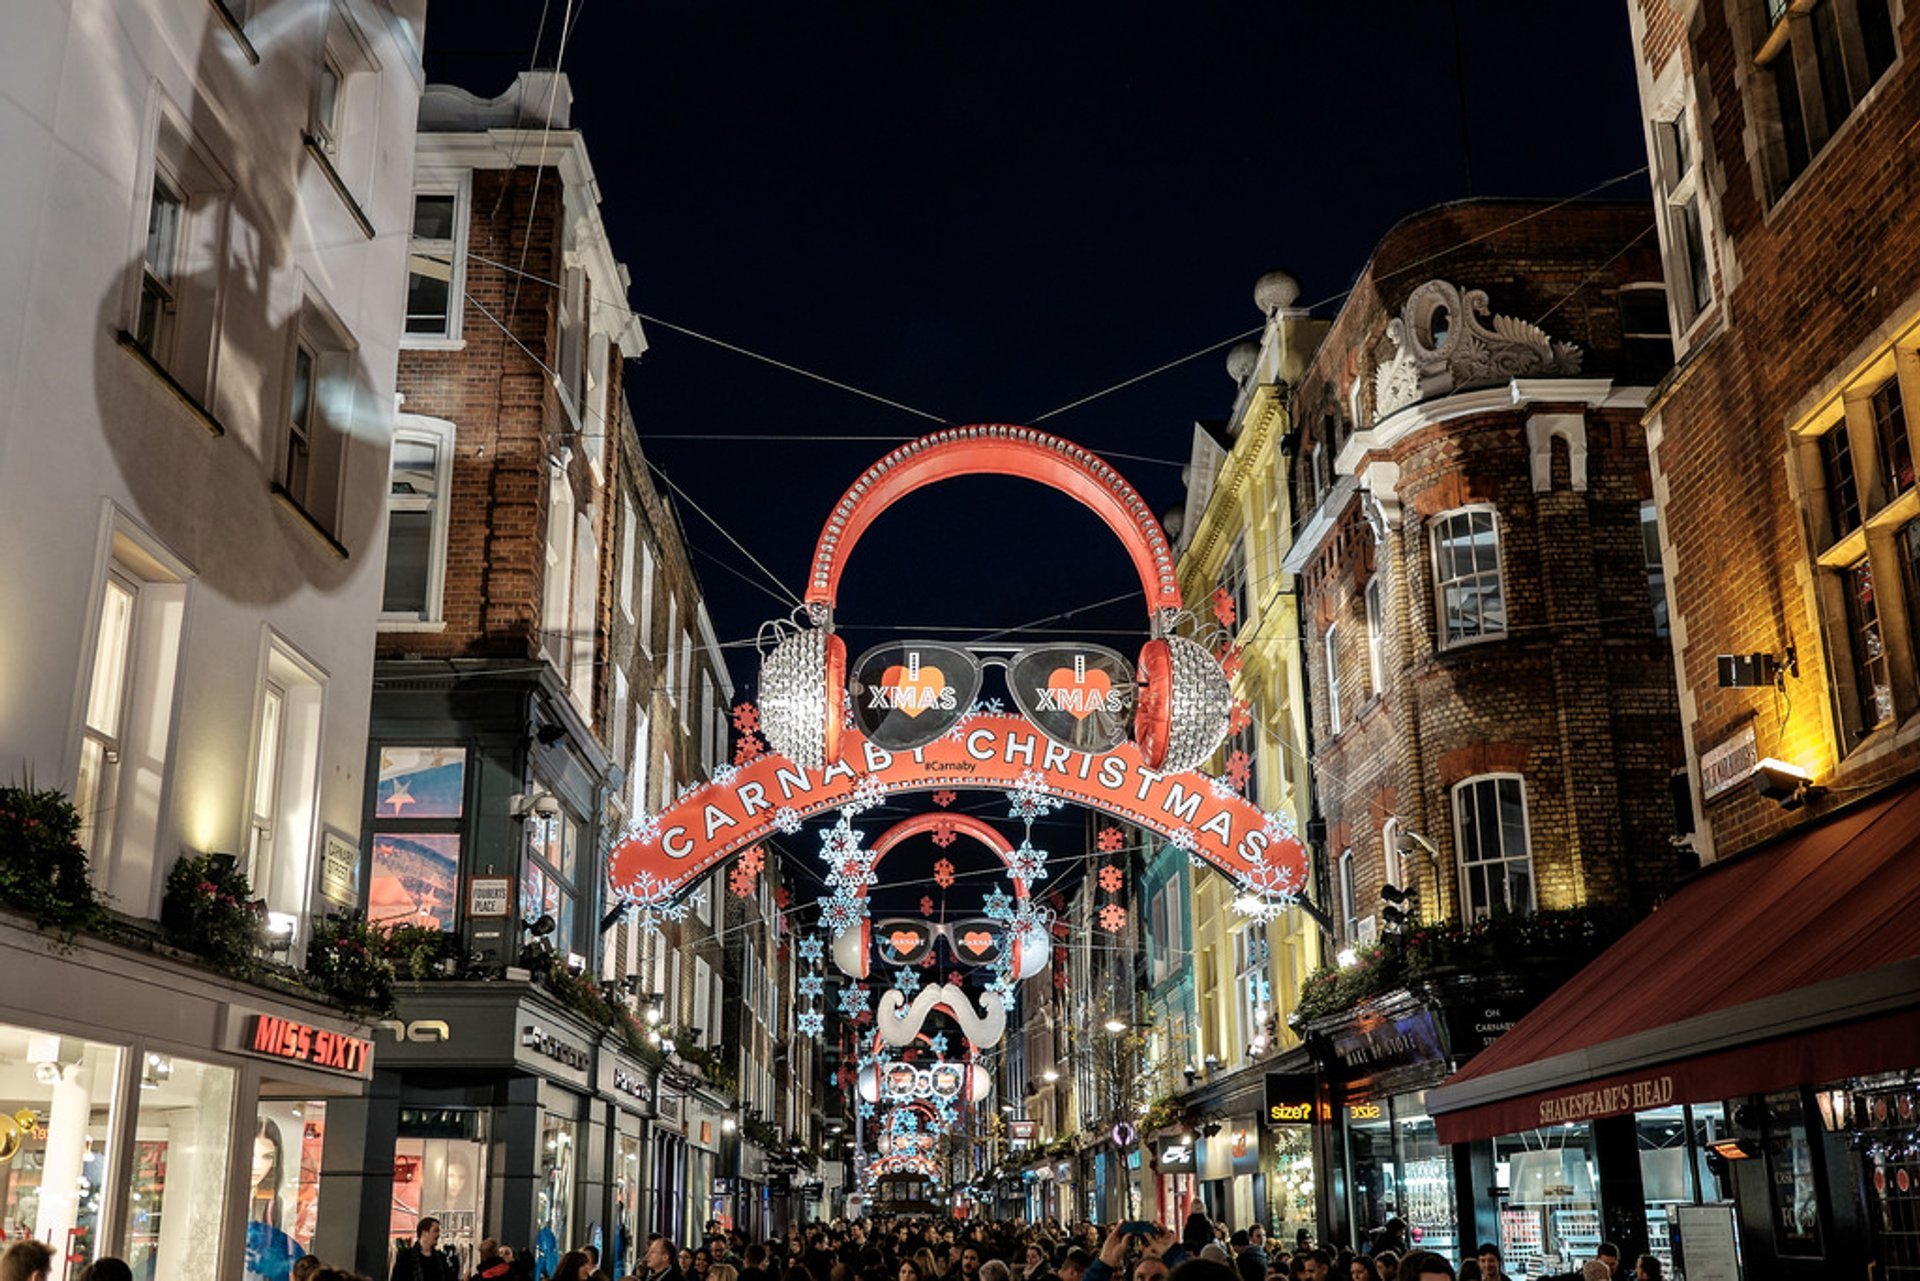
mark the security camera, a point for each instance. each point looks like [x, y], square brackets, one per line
[539, 804]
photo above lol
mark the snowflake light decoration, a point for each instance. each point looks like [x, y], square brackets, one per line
[810, 1022]
[1112, 878]
[841, 913]
[1029, 799]
[1027, 864]
[867, 793]
[1223, 608]
[998, 906]
[1266, 890]
[979, 707]
[1279, 827]
[645, 828]
[723, 774]
[749, 748]
[1221, 788]
[810, 985]
[1059, 980]
[1239, 769]
[1113, 918]
[926, 908]
[1239, 715]
[786, 820]
[1182, 838]
[864, 1110]
[746, 717]
[783, 897]
[1002, 987]
[754, 856]
[1231, 660]
[944, 834]
[938, 1043]
[907, 981]
[943, 873]
[742, 880]
[945, 797]
[853, 1000]
[1110, 839]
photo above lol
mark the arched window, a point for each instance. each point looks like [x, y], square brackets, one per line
[1496, 852]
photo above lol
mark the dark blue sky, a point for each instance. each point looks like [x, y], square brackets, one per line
[986, 210]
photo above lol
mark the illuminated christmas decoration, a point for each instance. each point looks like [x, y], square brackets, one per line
[810, 1022]
[943, 874]
[926, 909]
[1111, 878]
[906, 981]
[1239, 716]
[1231, 660]
[839, 913]
[944, 797]
[1110, 839]
[1027, 864]
[1223, 608]
[944, 835]
[786, 820]
[754, 856]
[746, 717]
[742, 880]
[1239, 769]
[1030, 799]
[748, 749]
[853, 1000]
[1113, 918]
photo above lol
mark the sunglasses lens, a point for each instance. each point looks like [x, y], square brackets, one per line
[907, 695]
[977, 942]
[904, 942]
[1081, 696]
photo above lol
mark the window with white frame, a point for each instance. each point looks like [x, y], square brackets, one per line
[1349, 900]
[436, 265]
[583, 645]
[672, 683]
[1377, 632]
[1332, 650]
[1233, 580]
[644, 632]
[1466, 554]
[548, 870]
[419, 483]
[173, 316]
[629, 542]
[1857, 458]
[556, 596]
[637, 795]
[1683, 232]
[1816, 60]
[1496, 857]
[283, 806]
[127, 711]
[1392, 860]
[1253, 985]
[1655, 568]
[683, 691]
[700, 1025]
[318, 405]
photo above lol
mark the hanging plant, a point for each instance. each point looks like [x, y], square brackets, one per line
[349, 960]
[209, 909]
[43, 869]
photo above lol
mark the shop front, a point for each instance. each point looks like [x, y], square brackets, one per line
[628, 1090]
[1295, 1115]
[492, 1119]
[1177, 1162]
[154, 1113]
[1738, 1077]
[669, 1194]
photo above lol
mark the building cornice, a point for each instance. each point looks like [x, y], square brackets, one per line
[1264, 411]
[1519, 393]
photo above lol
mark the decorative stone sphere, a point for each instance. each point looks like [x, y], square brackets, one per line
[1275, 290]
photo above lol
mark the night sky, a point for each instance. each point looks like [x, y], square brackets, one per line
[988, 210]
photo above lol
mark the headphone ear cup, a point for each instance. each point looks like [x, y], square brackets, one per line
[1030, 953]
[835, 658]
[1153, 702]
[851, 949]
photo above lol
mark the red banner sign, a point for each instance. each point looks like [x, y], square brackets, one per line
[999, 752]
[278, 1038]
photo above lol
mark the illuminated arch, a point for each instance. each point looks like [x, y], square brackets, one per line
[997, 449]
[961, 824]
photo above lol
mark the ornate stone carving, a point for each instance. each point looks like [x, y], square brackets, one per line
[1446, 340]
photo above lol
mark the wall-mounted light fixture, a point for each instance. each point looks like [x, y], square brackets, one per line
[1836, 1107]
[1786, 785]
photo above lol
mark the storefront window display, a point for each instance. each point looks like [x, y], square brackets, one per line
[1290, 1183]
[1550, 1212]
[284, 1185]
[553, 1206]
[1399, 1170]
[56, 1126]
[1886, 1122]
[1790, 1178]
[439, 1170]
[626, 1203]
[180, 1170]
[1674, 1143]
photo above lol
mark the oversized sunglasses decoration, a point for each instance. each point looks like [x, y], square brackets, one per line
[907, 941]
[909, 693]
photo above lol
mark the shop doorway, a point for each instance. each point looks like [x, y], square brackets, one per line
[439, 1171]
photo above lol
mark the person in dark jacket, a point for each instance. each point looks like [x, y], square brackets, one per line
[422, 1260]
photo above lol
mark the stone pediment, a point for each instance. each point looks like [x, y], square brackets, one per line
[1446, 340]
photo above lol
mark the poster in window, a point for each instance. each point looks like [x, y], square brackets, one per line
[416, 878]
[1796, 1202]
[421, 782]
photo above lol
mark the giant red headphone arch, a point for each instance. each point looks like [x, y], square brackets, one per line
[853, 948]
[1180, 708]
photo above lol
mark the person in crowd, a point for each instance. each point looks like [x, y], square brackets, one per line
[1039, 1261]
[26, 1261]
[1389, 1264]
[995, 1270]
[421, 1260]
[1425, 1265]
[1316, 1264]
[1470, 1268]
[1492, 1266]
[1249, 1257]
[663, 1261]
[108, 1269]
[574, 1265]
[1647, 1268]
[492, 1264]
[756, 1269]
[1074, 1266]
[1595, 1270]
[1363, 1268]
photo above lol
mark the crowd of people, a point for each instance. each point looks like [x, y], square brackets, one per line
[920, 1249]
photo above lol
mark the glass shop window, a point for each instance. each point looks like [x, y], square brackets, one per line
[553, 1194]
[439, 1171]
[283, 1185]
[1550, 1204]
[56, 1133]
[182, 1154]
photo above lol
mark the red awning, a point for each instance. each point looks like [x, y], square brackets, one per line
[1796, 963]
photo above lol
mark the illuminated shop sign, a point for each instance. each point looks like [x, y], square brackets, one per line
[549, 1046]
[273, 1037]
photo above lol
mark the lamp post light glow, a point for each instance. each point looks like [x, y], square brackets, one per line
[1115, 1026]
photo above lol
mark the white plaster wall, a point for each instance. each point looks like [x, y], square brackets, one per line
[85, 426]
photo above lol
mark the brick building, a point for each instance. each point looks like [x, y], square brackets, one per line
[1494, 731]
[1781, 143]
[545, 671]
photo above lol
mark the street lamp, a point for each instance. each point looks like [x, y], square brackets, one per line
[1115, 1026]
[1049, 1076]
